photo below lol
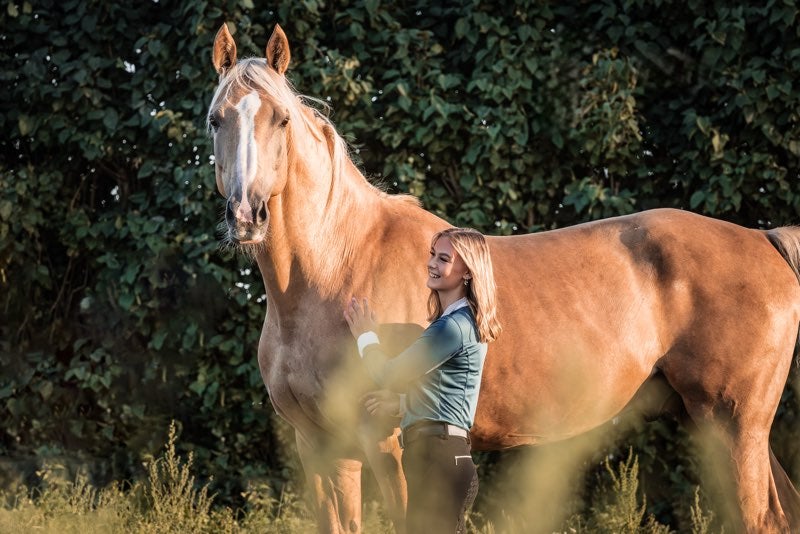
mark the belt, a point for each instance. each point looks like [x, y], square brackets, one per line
[430, 428]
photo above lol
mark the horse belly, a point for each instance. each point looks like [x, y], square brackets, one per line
[581, 333]
[566, 372]
[562, 393]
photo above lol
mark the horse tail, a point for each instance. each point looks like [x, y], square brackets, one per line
[787, 240]
[787, 494]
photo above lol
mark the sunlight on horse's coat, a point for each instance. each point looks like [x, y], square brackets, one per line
[596, 317]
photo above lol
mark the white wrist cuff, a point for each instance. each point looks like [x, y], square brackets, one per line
[365, 339]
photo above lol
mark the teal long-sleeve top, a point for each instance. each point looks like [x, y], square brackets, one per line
[440, 373]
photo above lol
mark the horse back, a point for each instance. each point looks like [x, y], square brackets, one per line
[590, 312]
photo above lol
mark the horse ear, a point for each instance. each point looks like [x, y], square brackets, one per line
[224, 56]
[278, 54]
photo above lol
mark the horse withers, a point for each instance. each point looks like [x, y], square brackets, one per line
[592, 314]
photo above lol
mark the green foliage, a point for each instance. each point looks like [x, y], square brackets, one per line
[618, 509]
[120, 313]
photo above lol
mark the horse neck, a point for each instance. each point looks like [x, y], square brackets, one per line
[318, 224]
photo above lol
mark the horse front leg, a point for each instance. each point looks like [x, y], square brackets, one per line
[335, 485]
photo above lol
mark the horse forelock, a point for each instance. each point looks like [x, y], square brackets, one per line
[253, 74]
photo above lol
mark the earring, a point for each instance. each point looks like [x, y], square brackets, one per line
[466, 281]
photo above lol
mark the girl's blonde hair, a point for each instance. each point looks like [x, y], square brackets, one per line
[471, 246]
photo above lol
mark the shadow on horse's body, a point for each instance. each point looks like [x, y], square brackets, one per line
[706, 310]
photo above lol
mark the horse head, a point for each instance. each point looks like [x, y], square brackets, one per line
[249, 119]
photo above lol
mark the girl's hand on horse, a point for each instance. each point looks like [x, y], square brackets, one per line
[382, 403]
[360, 318]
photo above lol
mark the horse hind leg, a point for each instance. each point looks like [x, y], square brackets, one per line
[732, 425]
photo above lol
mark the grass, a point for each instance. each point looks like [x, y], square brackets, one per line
[170, 500]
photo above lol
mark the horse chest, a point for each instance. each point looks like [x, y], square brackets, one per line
[297, 369]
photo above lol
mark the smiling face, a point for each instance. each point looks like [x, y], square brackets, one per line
[447, 272]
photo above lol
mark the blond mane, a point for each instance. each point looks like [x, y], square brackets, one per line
[254, 74]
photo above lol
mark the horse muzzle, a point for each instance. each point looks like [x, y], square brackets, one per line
[247, 222]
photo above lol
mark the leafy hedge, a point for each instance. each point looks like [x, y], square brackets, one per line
[119, 312]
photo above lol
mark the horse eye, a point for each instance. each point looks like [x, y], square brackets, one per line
[213, 122]
[285, 121]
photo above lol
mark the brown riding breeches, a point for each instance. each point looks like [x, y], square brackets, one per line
[442, 483]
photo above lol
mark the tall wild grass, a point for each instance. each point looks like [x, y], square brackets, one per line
[170, 500]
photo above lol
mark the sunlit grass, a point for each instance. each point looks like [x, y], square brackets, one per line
[170, 500]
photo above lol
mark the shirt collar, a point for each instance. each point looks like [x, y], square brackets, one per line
[460, 303]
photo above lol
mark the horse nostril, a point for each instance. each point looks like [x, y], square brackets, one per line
[261, 216]
[229, 211]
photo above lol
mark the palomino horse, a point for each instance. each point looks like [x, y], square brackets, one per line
[591, 313]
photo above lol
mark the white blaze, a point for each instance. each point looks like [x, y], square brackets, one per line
[247, 157]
